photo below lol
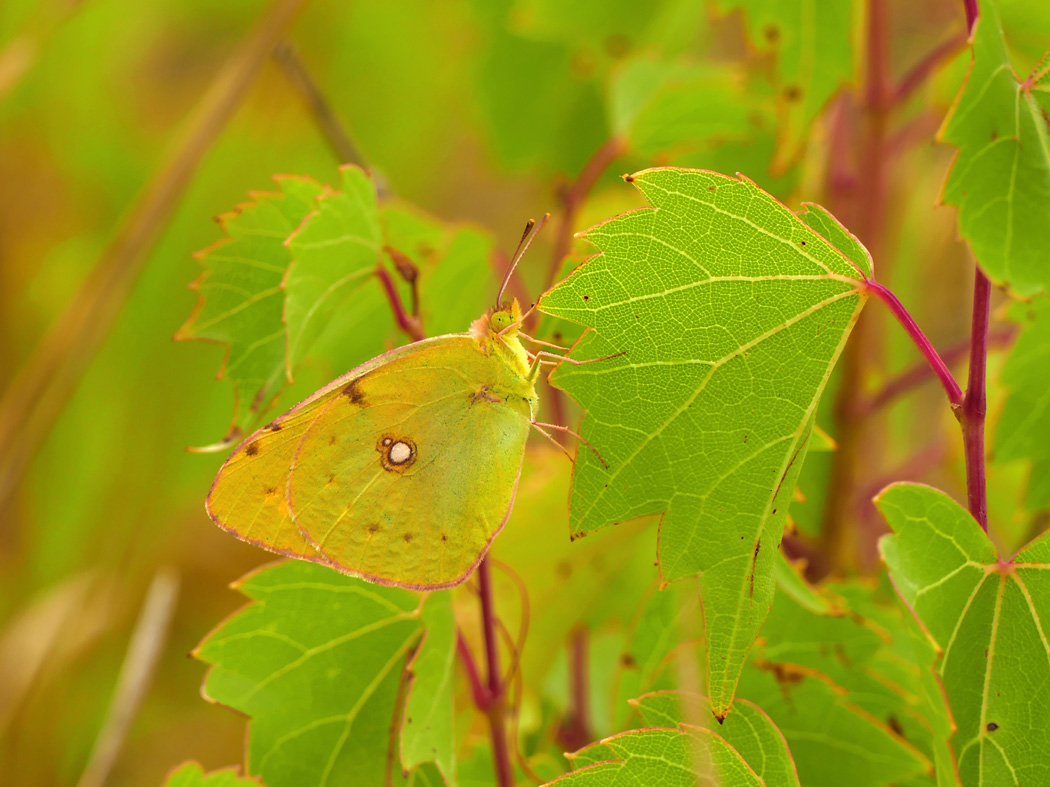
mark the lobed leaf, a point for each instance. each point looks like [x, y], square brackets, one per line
[1023, 430]
[985, 615]
[428, 731]
[241, 300]
[1000, 180]
[748, 730]
[684, 756]
[725, 313]
[335, 254]
[827, 734]
[317, 661]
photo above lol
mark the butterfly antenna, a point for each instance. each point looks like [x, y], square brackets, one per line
[532, 229]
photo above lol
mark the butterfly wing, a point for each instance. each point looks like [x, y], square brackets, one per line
[400, 472]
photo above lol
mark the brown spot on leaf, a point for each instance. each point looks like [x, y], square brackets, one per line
[444, 537]
[754, 563]
[331, 440]
[252, 449]
[271, 490]
[273, 426]
[992, 726]
[373, 528]
[771, 33]
[408, 537]
[793, 93]
[629, 178]
[627, 661]
[894, 724]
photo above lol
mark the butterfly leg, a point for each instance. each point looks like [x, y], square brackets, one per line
[540, 341]
[540, 426]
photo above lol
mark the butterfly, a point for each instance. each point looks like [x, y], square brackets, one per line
[403, 470]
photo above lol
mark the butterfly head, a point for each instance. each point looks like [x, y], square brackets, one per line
[506, 320]
[498, 324]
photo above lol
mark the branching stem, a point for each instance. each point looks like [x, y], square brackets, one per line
[975, 403]
[405, 321]
[937, 364]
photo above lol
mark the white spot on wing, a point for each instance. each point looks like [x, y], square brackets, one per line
[399, 453]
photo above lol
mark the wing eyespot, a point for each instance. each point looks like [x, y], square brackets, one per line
[396, 453]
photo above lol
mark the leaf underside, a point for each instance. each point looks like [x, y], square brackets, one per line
[728, 313]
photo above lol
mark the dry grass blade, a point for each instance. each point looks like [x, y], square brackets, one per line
[144, 650]
[38, 393]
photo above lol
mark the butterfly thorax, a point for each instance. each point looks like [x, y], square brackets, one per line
[496, 333]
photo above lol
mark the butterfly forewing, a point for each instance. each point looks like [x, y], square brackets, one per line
[400, 472]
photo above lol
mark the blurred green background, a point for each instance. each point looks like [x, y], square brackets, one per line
[475, 110]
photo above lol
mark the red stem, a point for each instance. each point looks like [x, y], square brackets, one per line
[921, 372]
[937, 364]
[971, 13]
[574, 196]
[921, 71]
[478, 689]
[975, 404]
[406, 322]
[496, 706]
[575, 731]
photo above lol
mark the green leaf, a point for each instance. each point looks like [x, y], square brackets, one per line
[725, 309]
[192, 774]
[876, 652]
[428, 733]
[985, 614]
[665, 756]
[1000, 179]
[829, 736]
[336, 252]
[316, 662]
[790, 581]
[813, 46]
[665, 619]
[241, 297]
[1023, 430]
[748, 730]
[657, 105]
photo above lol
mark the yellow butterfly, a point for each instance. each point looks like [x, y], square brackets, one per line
[401, 471]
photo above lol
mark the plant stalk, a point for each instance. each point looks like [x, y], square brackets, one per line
[975, 404]
[496, 710]
[937, 364]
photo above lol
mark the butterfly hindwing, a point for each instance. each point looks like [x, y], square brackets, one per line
[400, 472]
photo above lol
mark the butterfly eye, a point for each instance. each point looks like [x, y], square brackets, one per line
[500, 320]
